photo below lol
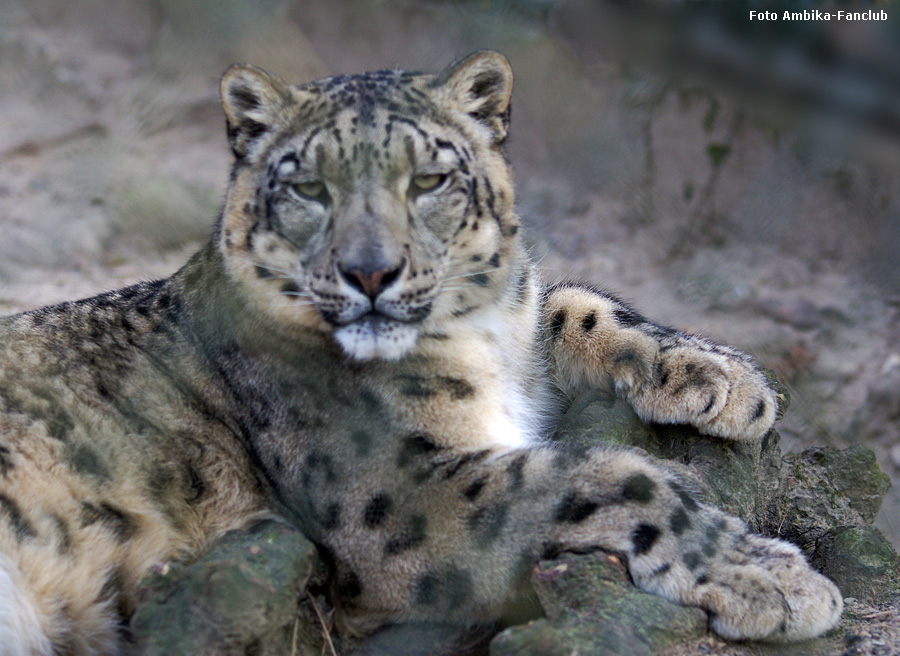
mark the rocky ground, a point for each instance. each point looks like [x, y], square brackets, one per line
[764, 224]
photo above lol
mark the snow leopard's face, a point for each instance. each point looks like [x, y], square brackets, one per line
[374, 206]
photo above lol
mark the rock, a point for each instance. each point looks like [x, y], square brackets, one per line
[860, 560]
[239, 598]
[417, 639]
[798, 497]
[726, 474]
[592, 608]
[823, 499]
[822, 488]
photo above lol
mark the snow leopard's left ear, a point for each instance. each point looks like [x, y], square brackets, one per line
[481, 85]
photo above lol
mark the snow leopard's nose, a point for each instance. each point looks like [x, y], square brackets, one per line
[371, 281]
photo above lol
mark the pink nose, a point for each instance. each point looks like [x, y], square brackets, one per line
[372, 283]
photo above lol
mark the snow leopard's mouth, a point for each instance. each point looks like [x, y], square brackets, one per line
[375, 336]
[379, 317]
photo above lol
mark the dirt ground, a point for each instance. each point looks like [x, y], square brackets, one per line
[769, 226]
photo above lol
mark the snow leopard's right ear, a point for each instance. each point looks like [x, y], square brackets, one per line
[481, 85]
[255, 104]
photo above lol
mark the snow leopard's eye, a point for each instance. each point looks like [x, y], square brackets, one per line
[428, 182]
[311, 190]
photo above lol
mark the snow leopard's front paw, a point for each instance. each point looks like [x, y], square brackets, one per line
[753, 587]
[712, 387]
[669, 377]
[763, 589]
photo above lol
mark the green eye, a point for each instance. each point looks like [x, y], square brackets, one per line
[428, 182]
[311, 189]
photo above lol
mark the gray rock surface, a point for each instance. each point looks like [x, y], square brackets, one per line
[590, 605]
[240, 598]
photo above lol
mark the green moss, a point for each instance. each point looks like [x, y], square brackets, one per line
[592, 608]
[860, 560]
[242, 592]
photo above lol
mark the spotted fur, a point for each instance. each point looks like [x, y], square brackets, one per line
[364, 349]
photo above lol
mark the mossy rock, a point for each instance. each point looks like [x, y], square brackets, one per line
[592, 608]
[822, 488]
[861, 562]
[727, 474]
[240, 597]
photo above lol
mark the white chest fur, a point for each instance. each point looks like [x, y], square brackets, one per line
[509, 405]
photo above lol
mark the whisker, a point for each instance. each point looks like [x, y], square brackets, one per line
[284, 273]
[474, 273]
[300, 294]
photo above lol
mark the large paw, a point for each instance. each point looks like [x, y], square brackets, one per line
[714, 388]
[753, 587]
[594, 339]
[765, 590]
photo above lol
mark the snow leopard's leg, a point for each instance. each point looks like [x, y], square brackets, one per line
[499, 512]
[670, 377]
[754, 587]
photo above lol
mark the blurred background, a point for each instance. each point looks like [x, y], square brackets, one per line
[732, 177]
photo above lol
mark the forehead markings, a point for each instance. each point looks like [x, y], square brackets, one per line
[412, 123]
[421, 96]
[410, 146]
[312, 135]
[364, 95]
[446, 145]
[366, 92]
